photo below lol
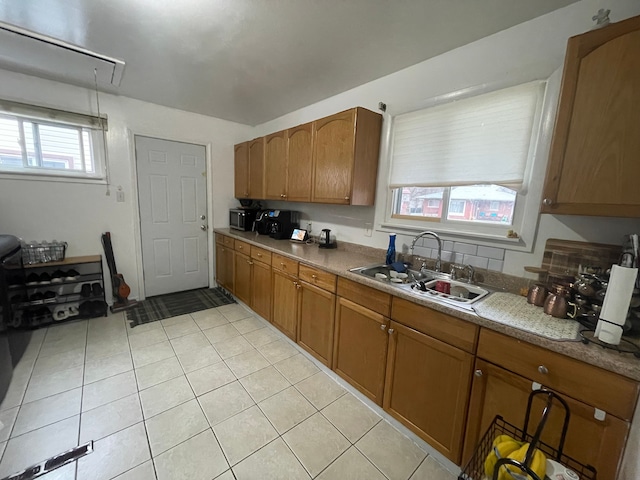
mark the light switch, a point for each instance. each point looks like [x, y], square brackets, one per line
[119, 196]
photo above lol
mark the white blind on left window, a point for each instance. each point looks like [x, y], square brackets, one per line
[482, 139]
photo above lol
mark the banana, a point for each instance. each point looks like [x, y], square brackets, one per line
[538, 465]
[503, 445]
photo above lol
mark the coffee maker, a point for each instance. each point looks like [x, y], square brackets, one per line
[278, 224]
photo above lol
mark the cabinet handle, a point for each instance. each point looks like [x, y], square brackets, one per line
[391, 330]
[383, 327]
[314, 276]
[259, 254]
[239, 247]
[282, 195]
[543, 370]
[548, 202]
[478, 373]
[346, 198]
[283, 265]
[249, 262]
[246, 194]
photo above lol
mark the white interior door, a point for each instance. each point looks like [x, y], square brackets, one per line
[173, 199]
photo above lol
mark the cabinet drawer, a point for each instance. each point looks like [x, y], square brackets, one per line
[284, 264]
[319, 278]
[368, 297]
[242, 247]
[261, 255]
[220, 238]
[444, 327]
[600, 388]
[227, 241]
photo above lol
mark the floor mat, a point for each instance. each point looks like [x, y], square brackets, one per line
[165, 306]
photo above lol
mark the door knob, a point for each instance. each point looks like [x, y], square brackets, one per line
[202, 217]
[203, 227]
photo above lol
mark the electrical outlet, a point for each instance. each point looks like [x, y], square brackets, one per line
[119, 196]
[368, 229]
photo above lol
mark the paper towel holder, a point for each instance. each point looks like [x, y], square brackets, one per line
[588, 336]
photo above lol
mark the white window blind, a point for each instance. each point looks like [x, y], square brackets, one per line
[482, 139]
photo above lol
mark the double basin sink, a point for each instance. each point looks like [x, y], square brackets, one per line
[425, 284]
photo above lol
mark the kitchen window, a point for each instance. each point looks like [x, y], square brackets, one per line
[63, 145]
[466, 162]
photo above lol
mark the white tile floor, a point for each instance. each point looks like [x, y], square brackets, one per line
[217, 394]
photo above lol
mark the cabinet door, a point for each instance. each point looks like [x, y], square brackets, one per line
[241, 170]
[590, 441]
[275, 166]
[242, 277]
[261, 289]
[256, 168]
[593, 165]
[224, 266]
[333, 157]
[285, 303]
[360, 348]
[427, 388]
[316, 320]
[299, 163]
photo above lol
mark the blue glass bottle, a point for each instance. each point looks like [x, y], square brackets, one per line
[391, 250]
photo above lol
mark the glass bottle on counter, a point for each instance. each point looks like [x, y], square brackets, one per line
[391, 250]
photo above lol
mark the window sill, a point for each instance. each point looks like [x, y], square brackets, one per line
[46, 177]
[478, 238]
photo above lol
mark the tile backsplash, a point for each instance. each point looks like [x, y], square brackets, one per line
[478, 256]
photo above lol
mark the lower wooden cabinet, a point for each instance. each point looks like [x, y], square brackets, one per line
[224, 266]
[285, 303]
[427, 388]
[360, 348]
[590, 441]
[242, 277]
[261, 289]
[316, 315]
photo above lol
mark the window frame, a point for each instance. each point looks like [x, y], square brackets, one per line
[39, 172]
[526, 212]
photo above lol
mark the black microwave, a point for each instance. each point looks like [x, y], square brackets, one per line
[242, 219]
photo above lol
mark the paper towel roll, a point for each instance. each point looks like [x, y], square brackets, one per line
[616, 304]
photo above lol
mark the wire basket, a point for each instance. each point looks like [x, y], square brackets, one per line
[34, 252]
[474, 470]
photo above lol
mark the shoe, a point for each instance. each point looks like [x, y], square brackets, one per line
[85, 309]
[72, 310]
[45, 278]
[85, 291]
[60, 313]
[33, 279]
[71, 275]
[57, 276]
[49, 296]
[96, 289]
[36, 297]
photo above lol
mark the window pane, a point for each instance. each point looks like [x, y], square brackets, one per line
[60, 148]
[32, 158]
[10, 150]
[489, 204]
[419, 202]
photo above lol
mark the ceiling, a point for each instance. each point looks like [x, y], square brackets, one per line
[251, 61]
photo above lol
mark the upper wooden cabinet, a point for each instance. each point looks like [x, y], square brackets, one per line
[249, 169]
[331, 160]
[241, 170]
[256, 168]
[593, 166]
[275, 160]
[299, 163]
[345, 157]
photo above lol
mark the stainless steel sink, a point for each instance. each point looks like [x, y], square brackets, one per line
[422, 284]
[385, 274]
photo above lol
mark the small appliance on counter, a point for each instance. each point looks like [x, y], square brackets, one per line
[242, 218]
[278, 224]
[325, 239]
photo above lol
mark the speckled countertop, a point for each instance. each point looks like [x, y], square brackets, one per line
[347, 256]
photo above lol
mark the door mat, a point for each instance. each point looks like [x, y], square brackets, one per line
[173, 304]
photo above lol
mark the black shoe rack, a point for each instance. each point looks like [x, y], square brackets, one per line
[47, 293]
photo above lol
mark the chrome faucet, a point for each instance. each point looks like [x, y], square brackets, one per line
[434, 235]
[455, 268]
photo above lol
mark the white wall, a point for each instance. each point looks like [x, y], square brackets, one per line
[532, 50]
[79, 213]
